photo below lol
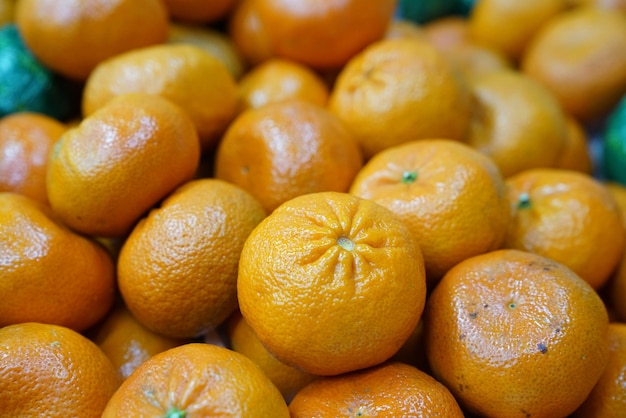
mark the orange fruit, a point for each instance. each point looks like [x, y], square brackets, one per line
[398, 90]
[199, 11]
[608, 397]
[73, 36]
[48, 273]
[7, 11]
[403, 28]
[331, 283]
[509, 26]
[614, 5]
[579, 56]
[569, 217]
[127, 343]
[248, 33]
[25, 142]
[197, 379]
[445, 191]
[447, 32]
[50, 370]
[121, 160]
[212, 41]
[286, 149]
[185, 74]
[279, 79]
[618, 191]
[517, 122]
[616, 290]
[177, 270]
[576, 154]
[391, 389]
[323, 34]
[516, 334]
[287, 379]
[473, 60]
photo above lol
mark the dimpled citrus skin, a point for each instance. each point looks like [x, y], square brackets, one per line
[391, 389]
[26, 139]
[185, 74]
[177, 270]
[608, 397]
[197, 379]
[47, 272]
[569, 217]
[446, 192]
[105, 173]
[286, 149]
[52, 371]
[399, 90]
[331, 283]
[515, 334]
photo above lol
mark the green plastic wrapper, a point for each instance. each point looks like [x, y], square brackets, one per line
[26, 85]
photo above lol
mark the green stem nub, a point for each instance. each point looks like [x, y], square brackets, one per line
[174, 412]
[409, 177]
[523, 201]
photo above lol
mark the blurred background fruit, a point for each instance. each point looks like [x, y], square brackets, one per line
[72, 36]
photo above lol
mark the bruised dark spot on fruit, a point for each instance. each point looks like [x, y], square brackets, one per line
[542, 347]
[485, 306]
[523, 202]
[526, 413]
[409, 177]
[461, 387]
[473, 315]
[245, 169]
[462, 337]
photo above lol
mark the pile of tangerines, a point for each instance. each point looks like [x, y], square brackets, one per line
[274, 208]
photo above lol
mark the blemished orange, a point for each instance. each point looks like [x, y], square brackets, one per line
[445, 191]
[52, 371]
[286, 149]
[323, 34]
[576, 153]
[120, 161]
[50, 274]
[279, 79]
[177, 270]
[398, 90]
[579, 56]
[248, 33]
[516, 334]
[392, 389]
[569, 217]
[197, 379]
[287, 379]
[126, 342]
[185, 74]
[26, 139]
[73, 36]
[200, 11]
[509, 26]
[211, 40]
[516, 121]
[608, 397]
[331, 283]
